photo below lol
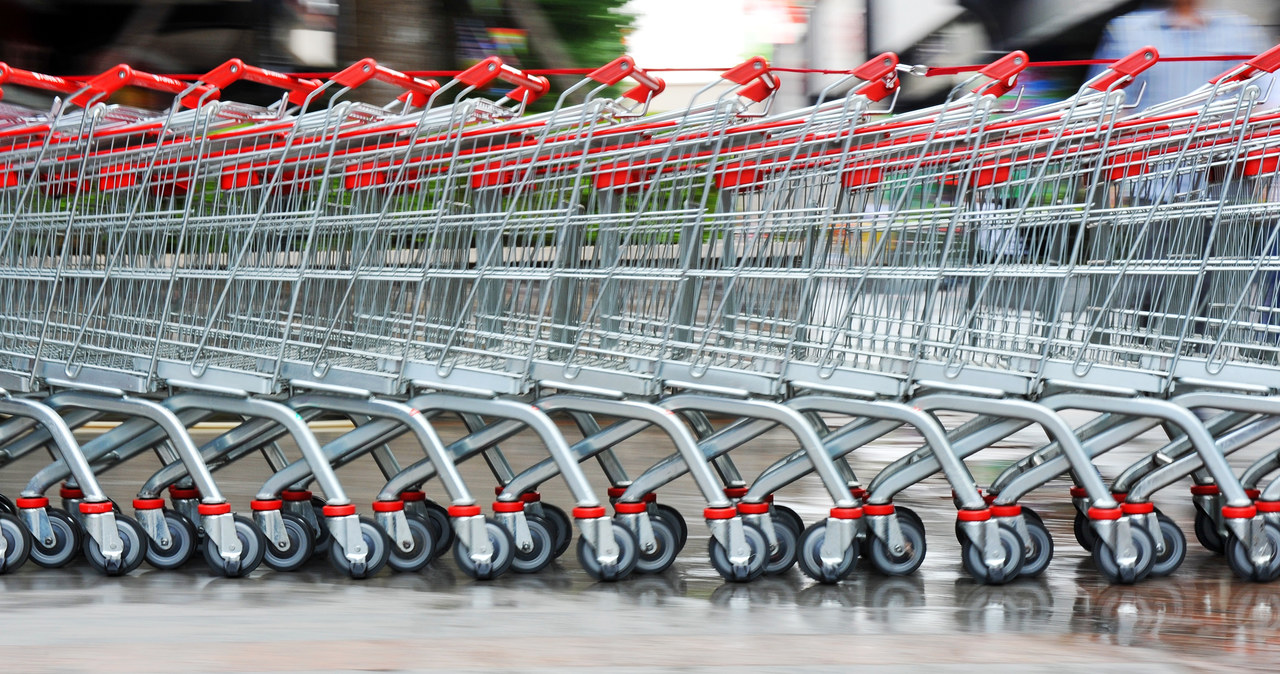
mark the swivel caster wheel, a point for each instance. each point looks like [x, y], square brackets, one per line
[810, 556]
[1242, 565]
[1083, 529]
[974, 562]
[376, 543]
[1207, 533]
[784, 557]
[420, 554]
[1175, 547]
[754, 568]
[666, 548]
[253, 548]
[675, 521]
[541, 554]
[134, 540]
[17, 543]
[628, 556]
[68, 538]
[1105, 559]
[180, 547]
[504, 549]
[1039, 549]
[299, 548]
[899, 562]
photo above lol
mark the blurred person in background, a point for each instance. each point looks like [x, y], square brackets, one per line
[1180, 28]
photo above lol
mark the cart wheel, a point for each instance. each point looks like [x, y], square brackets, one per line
[379, 550]
[628, 555]
[301, 545]
[504, 549]
[441, 528]
[560, 526]
[784, 515]
[971, 556]
[810, 556]
[1240, 563]
[1207, 533]
[1175, 547]
[1039, 550]
[540, 555]
[320, 531]
[1083, 529]
[759, 546]
[666, 548]
[782, 559]
[7, 506]
[17, 542]
[253, 548]
[1105, 559]
[676, 521]
[182, 543]
[417, 557]
[135, 549]
[67, 540]
[900, 562]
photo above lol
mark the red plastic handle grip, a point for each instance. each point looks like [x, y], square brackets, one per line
[752, 68]
[482, 74]
[1007, 67]
[235, 70]
[623, 67]
[880, 75]
[364, 70]
[1127, 68]
[1004, 73]
[26, 78]
[122, 76]
[1268, 61]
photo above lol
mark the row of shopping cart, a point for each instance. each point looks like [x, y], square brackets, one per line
[453, 254]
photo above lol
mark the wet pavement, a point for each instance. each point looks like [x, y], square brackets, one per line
[687, 619]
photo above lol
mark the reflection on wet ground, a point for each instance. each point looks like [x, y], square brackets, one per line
[1201, 619]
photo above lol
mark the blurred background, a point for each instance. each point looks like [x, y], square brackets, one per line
[75, 37]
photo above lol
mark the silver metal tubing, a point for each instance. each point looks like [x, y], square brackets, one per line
[920, 464]
[1174, 413]
[163, 417]
[593, 445]
[839, 443]
[280, 414]
[661, 417]
[460, 450]
[1052, 449]
[724, 440]
[63, 440]
[934, 436]
[1053, 425]
[407, 416]
[1112, 436]
[1238, 438]
[1175, 449]
[782, 415]
[112, 448]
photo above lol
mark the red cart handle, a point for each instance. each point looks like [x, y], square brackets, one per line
[623, 67]
[1127, 68]
[528, 87]
[1268, 61]
[755, 75]
[121, 76]
[879, 77]
[235, 70]
[1004, 72]
[26, 78]
[360, 72]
